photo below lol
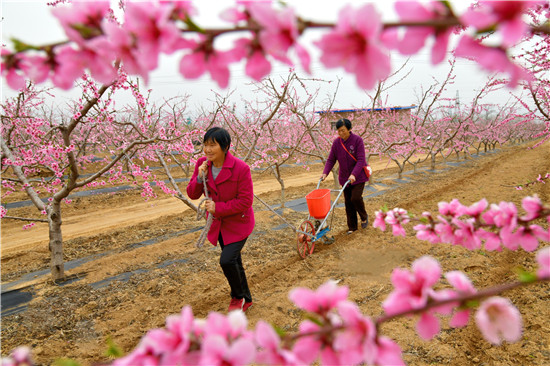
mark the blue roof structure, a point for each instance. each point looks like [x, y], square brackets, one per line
[366, 110]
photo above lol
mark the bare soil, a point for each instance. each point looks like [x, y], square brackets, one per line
[74, 320]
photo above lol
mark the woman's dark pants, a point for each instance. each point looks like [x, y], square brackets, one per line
[353, 196]
[232, 266]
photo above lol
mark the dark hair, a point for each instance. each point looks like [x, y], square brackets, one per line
[343, 122]
[219, 135]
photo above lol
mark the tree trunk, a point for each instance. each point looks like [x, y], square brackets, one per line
[433, 162]
[57, 266]
[282, 183]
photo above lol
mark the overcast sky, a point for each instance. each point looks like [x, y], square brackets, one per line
[31, 21]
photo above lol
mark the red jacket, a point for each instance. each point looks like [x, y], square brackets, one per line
[233, 194]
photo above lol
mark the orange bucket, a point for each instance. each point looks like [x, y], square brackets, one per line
[318, 203]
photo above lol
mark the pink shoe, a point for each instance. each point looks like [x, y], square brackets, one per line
[236, 304]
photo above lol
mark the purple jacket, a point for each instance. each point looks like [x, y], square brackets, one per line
[233, 193]
[348, 166]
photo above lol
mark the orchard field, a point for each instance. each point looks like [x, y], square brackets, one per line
[124, 287]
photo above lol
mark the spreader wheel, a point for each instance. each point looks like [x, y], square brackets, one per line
[305, 234]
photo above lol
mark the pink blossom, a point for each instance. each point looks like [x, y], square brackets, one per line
[153, 29]
[492, 240]
[526, 239]
[279, 31]
[20, 356]
[453, 208]
[412, 289]
[465, 234]
[427, 326]
[324, 299]
[503, 215]
[427, 233]
[82, 19]
[388, 352]
[415, 37]
[506, 15]
[445, 230]
[271, 352]
[498, 320]
[11, 69]
[463, 286]
[356, 342]
[354, 44]
[216, 63]
[217, 351]
[490, 58]
[543, 259]
[35, 68]
[532, 206]
[307, 348]
[509, 239]
[230, 326]
[396, 218]
[476, 209]
[257, 66]
[380, 220]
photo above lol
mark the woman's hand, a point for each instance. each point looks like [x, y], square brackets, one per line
[210, 206]
[203, 169]
[323, 177]
[352, 178]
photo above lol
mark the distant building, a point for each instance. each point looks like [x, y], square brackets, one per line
[364, 115]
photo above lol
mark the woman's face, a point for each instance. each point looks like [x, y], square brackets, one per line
[343, 132]
[213, 151]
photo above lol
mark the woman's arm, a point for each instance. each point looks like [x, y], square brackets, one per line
[195, 189]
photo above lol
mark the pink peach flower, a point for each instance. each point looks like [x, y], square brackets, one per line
[279, 29]
[532, 206]
[324, 299]
[427, 326]
[380, 220]
[388, 352]
[506, 15]
[492, 240]
[307, 348]
[271, 352]
[498, 320]
[543, 259]
[490, 58]
[412, 289]
[427, 233]
[463, 286]
[354, 45]
[197, 63]
[217, 351]
[82, 19]
[356, 342]
[453, 208]
[415, 37]
[476, 209]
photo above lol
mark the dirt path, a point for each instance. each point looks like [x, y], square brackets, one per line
[74, 320]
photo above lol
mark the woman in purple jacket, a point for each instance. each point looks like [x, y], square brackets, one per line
[229, 185]
[349, 150]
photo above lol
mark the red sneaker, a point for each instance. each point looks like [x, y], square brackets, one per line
[236, 304]
[247, 305]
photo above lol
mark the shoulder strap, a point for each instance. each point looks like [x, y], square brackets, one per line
[344, 146]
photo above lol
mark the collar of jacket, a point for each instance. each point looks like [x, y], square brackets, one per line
[225, 173]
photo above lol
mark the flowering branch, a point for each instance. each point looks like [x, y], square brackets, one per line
[467, 226]
[335, 331]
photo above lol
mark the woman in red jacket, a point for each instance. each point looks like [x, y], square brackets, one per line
[229, 185]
